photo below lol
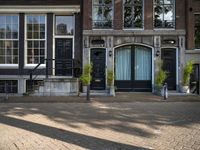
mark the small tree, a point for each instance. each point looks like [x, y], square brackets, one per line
[86, 77]
[161, 75]
[187, 71]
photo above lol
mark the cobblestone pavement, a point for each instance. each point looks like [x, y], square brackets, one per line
[100, 126]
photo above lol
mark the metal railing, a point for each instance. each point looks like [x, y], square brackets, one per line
[102, 24]
[66, 65]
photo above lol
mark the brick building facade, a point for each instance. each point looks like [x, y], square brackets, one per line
[148, 30]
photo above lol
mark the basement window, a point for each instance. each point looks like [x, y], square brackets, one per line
[8, 86]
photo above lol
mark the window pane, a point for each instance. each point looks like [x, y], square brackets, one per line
[15, 44]
[8, 60]
[133, 14]
[2, 19]
[2, 52]
[102, 14]
[2, 44]
[15, 59]
[8, 51]
[35, 19]
[2, 59]
[36, 27]
[8, 19]
[98, 1]
[42, 20]
[42, 35]
[97, 11]
[29, 35]
[15, 52]
[142, 63]
[42, 44]
[168, 1]
[64, 25]
[164, 14]
[29, 27]
[108, 1]
[123, 63]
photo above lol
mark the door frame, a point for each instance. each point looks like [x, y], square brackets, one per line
[152, 59]
[64, 37]
[106, 59]
[177, 63]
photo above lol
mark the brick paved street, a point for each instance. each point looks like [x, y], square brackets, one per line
[100, 126]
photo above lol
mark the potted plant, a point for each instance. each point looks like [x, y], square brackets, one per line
[110, 81]
[86, 77]
[160, 79]
[187, 71]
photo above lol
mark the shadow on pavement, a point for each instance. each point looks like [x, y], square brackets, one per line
[81, 140]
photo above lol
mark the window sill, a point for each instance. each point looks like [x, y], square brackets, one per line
[195, 51]
[166, 29]
[133, 29]
[99, 29]
[32, 66]
[9, 66]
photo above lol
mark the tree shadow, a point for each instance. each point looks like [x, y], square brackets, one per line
[119, 117]
[82, 140]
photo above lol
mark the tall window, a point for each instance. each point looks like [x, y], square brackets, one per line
[102, 14]
[164, 13]
[35, 38]
[197, 31]
[9, 32]
[133, 13]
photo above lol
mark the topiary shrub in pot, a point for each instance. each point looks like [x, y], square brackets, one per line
[160, 79]
[86, 77]
[187, 71]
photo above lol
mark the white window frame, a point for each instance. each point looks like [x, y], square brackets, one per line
[11, 66]
[174, 18]
[133, 28]
[26, 65]
[55, 36]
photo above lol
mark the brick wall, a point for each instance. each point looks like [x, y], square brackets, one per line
[180, 14]
[87, 14]
[148, 14]
[118, 15]
[192, 7]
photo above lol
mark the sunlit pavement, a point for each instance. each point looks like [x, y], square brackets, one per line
[100, 126]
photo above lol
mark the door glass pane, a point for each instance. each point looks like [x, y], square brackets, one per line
[64, 25]
[142, 63]
[123, 63]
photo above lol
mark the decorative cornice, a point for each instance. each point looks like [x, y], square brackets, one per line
[40, 9]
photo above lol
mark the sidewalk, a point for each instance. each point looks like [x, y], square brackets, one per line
[120, 97]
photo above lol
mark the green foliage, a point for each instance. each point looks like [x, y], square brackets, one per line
[161, 75]
[110, 77]
[187, 70]
[86, 77]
